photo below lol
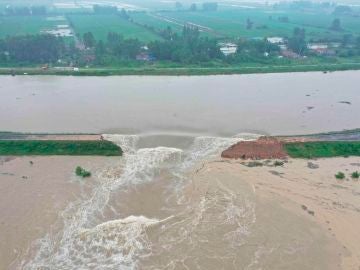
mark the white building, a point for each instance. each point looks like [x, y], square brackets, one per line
[318, 46]
[275, 40]
[228, 48]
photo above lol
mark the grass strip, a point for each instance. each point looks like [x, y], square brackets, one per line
[323, 149]
[61, 148]
[182, 71]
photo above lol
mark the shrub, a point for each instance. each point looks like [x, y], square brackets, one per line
[311, 212]
[278, 163]
[340, 175]
[254, 164]
[82, 172]
[355, 175]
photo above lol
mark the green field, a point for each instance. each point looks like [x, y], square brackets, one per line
[23, 25]
[68, 148]
[101, 25]
[173, 69]
[231, 23]
[225, 23]
[323, 149]
[154, 21]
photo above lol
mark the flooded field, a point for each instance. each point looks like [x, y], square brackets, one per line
[158, 207]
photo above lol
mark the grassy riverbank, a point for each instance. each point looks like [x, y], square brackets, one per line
[48, 148]
[178, 71]
[323, 149]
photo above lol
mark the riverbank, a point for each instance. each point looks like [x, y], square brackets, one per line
[45, 144]
[49, 136]
[58, 148]
[265, 147]
[180, 71]
[306, 147]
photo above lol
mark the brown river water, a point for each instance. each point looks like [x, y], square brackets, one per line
[158, 207]
[289, 103]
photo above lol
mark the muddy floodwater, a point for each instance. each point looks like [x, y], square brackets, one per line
[158, 207]
[265, 103]
[171, 202]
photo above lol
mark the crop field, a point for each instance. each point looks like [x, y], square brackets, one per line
[101, 25]
[22, 25]
[153, 4]
[229, 21]
[159, 22]
[323, 21]
[154, 21]
[232, 22]
[86, 5]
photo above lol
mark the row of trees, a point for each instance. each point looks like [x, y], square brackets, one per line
[32, 49]
[189, 47]
[349, 45]
[116, 48]
[36, 49]
[25, 11]
[297, 43]
[206, 6]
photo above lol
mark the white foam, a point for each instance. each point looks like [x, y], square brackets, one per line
[86, 242]
[207, 147]
[138, 166]
[126, 142]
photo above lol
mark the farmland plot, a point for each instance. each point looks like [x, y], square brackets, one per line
[101, 25]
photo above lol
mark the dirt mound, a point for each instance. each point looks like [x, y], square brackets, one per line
[263, 148]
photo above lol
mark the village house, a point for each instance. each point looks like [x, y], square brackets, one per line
[228, 48]
[321, 49]
[316, 46]
[276, 40]
[289, 54]
[145, 56]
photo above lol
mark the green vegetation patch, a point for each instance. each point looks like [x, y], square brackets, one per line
[340, 175]
[323, 149]
[79, 171]
[155, 21]
[27, 25]
[355, 175]
[101, 25]
[265, 22]
[49, 148]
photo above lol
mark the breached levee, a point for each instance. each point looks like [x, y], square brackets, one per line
[172, 208]
[83, 241]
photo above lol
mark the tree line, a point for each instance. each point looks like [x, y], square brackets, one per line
[188, 47]
[206, 6]
[31, 49]
[25, 11]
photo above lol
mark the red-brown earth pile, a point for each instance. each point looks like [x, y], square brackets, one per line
[263, 148]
